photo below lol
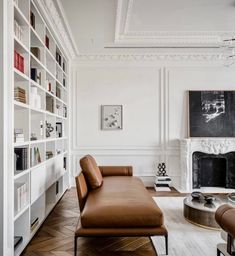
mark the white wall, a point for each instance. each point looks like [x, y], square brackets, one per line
[154, 99]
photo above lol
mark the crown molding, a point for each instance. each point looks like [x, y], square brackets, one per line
[54, 15]
[161, 38]
[177, 56]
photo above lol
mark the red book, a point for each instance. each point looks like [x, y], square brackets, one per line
[15, 59]
[21, 63]
[47, 42]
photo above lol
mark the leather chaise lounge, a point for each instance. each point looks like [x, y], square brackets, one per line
[113, 203]
[225, 217]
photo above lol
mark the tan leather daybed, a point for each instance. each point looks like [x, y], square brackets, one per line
[113, 203]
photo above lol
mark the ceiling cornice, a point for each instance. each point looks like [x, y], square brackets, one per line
[174, 56]
[54, 15]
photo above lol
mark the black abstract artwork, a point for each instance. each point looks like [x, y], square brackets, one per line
[212, 113]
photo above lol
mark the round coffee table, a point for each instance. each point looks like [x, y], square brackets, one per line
[199, 213]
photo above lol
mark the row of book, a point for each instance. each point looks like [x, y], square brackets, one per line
[18, 30]
[21, 159]
[18, 61]
[21, 196]
[20, 94]
[35, 156]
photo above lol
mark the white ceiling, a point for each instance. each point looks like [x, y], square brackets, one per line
[98, 24]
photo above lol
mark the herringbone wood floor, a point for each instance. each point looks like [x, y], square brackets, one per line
[55, 237]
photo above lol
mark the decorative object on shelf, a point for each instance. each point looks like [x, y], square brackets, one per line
[111, 117]
[32, 19]
[33, 136]
[18, 61]
[49, 154]
[211, 113]
[19, 135]
[161, 169]
[20, 94]
[49, 129]
[18, 31]
[47, 42]
[21, 159]
[58, 151]
[59, 130]
[36, 52]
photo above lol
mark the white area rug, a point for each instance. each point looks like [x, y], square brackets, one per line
[185, 239]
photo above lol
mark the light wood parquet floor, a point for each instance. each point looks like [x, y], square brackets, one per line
[56, 235]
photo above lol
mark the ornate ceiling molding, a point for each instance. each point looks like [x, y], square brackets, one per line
[161, 38]
[54, 15]
[202, 57]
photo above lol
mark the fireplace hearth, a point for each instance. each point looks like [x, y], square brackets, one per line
[210, 170]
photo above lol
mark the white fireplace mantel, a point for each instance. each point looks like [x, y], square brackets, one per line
[205, 145]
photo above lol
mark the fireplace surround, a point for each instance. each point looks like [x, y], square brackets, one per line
[216, 155]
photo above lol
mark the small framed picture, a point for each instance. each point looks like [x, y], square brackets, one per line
[111, 117]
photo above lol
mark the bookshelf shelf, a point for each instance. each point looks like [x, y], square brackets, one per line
[21, 212]
[20, 16]
[41, 129]
[20, 174]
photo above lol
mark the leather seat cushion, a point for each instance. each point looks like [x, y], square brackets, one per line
[91, 172]
[119, 203]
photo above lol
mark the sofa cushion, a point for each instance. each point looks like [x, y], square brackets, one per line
[91, 172]
[121, 202]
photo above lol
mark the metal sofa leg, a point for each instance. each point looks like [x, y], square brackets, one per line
[166, 243]
[75, 245]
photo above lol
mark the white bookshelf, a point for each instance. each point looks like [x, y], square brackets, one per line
[39, 102]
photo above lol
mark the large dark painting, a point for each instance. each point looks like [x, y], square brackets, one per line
[212, 113]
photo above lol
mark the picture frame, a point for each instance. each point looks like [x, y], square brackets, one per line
[211, 113]
[111, 117]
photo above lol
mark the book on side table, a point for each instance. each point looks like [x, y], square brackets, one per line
[162, 183]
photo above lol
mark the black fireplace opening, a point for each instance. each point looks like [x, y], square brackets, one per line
[211, 170]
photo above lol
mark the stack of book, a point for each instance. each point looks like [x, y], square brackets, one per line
[20, 94]
[20, 196]
[21, 159]
[19, 135]
[162, 183]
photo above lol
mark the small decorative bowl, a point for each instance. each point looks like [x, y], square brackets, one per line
[209, 199]
[196, 195]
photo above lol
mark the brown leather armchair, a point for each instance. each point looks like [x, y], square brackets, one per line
[225, 217]
[113, 203]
